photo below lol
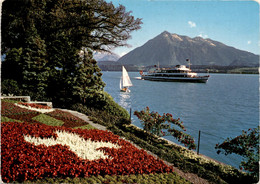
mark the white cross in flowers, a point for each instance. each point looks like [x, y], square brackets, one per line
[85, 149]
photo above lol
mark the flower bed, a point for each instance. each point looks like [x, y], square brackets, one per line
[8, 109]
[24, 160]
[24, 114]
[25, 117]
[68, 119]
[33, 105]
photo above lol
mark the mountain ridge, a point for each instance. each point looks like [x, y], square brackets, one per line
[173, 49]
[104, 56]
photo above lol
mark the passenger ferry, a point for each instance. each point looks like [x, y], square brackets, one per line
[178, 74]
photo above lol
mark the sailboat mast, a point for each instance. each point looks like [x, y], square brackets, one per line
[188, 60]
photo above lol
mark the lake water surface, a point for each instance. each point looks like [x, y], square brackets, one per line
[221, 108]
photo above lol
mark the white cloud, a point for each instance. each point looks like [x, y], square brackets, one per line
[249, 42]
[203, 35]
[122, 54]
[192, 24]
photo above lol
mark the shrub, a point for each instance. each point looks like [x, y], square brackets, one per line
[110, 114]
[247, 146]
[10, 86]
[182, 158]
[156, 124]
[170, 178]
[113, 108]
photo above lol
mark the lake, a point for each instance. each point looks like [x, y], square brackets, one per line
[221, 108]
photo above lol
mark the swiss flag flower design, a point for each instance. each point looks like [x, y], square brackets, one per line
[24, 160]
[85, 149]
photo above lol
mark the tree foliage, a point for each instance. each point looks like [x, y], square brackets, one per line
[94, 24]
[164, 125]
[42, 40]
[87, 79]
[245, 145]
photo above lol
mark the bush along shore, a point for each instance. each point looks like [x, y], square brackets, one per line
[179, 156]
[116, 119]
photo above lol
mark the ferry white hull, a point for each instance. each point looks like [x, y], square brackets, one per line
[178, 74]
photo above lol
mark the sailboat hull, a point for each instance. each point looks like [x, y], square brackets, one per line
[125, 90]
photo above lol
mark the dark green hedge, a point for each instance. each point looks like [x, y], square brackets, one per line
[171, 178]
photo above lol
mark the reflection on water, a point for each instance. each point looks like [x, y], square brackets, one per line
[125, 100]
[138, 78]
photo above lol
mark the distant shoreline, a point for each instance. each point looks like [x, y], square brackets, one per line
[114, 66]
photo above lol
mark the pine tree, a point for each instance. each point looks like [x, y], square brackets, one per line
[27, 55]
[87, 81]
[34, 67]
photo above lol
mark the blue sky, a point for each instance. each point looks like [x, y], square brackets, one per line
[234, 23]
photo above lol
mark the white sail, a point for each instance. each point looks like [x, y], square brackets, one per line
[125, 78]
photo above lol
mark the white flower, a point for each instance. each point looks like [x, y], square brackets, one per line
[34, 109]
[85, 149]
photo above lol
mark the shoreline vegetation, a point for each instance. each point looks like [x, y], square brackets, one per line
[114, 66]
[195, 168]
[188, 166]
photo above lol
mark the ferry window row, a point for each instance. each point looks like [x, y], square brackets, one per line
[165, 75]
[173, 71]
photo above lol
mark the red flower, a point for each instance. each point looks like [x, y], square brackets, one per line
[38, 106]
[22, 160]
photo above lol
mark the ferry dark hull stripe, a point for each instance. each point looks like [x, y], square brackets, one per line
[169, 79]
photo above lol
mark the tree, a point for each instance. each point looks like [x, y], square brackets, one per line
[18, 20]
[12, 66]
[52, 33]
[94, 24]
[87, 79]
[35, 72]
[245, 145]
[26, 63]
[156, 124]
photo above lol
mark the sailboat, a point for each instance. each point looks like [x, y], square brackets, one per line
[125, 81]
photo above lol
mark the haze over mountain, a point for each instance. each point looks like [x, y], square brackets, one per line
[101, 56]
[173, 49]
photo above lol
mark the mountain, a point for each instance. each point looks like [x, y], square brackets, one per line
[102, 56]
[173, 49]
